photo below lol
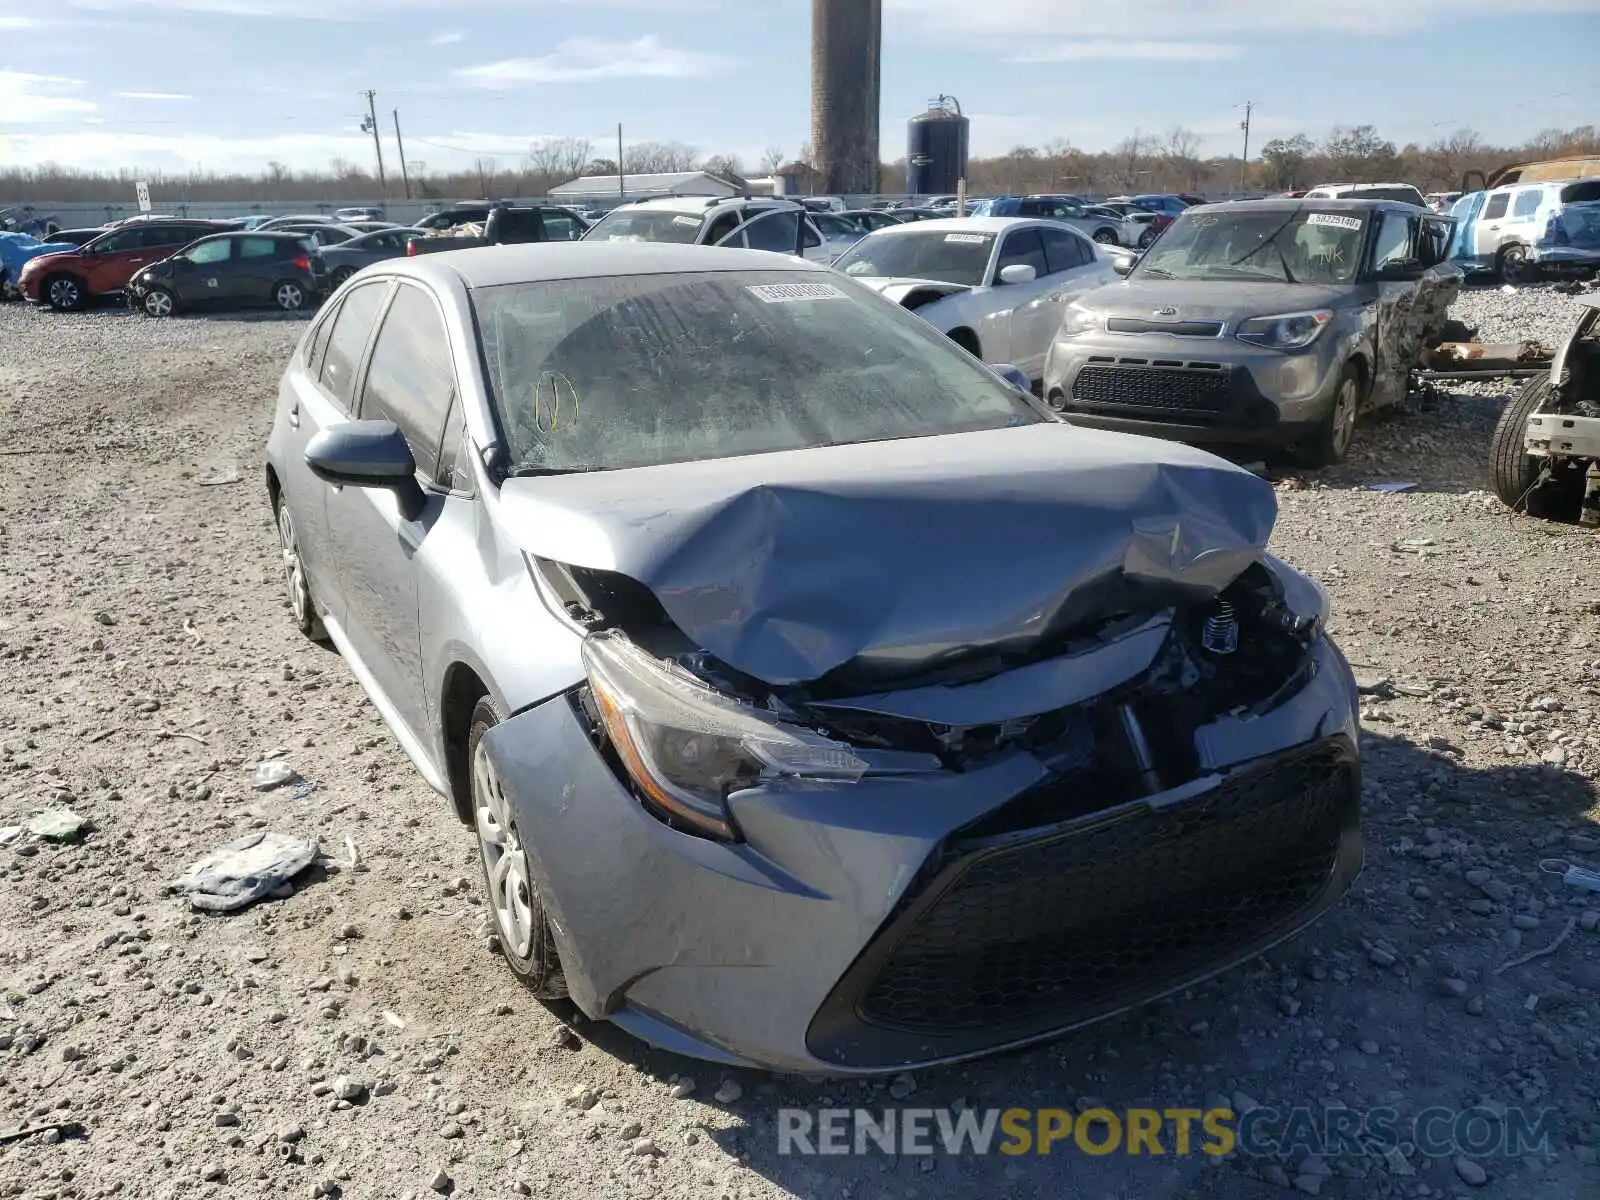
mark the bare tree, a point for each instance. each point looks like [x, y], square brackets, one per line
[726, 167]
[772, 160]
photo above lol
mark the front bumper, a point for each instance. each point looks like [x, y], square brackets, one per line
[1215, 390]
[870, 927]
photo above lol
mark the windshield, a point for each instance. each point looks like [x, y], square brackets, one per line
[635, 371]
[645, 226]
[1273, 245]
[945, 255]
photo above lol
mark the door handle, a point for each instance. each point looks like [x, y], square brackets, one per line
[294, 415]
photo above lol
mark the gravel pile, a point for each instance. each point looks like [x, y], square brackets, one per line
[358, 1039]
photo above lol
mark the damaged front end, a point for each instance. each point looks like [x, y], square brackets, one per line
[894, 837]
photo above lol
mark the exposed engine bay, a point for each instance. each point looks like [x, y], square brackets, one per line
[1145, 683]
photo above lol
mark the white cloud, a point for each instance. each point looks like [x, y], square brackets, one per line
[448, 38]
[26, 98]
[1108, 48]
[1032, 19]
[580, 59]
[152, 96]
[10, 24]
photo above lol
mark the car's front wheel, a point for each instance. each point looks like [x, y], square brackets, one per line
[158, 302]
[519, 916]
[1107, 237]
[64, 293]
[1147, 238]
[1331, 441]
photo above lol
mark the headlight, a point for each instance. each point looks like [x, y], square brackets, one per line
[688, 747]
[1288, 331]
[1302, 595]
[1076, 321]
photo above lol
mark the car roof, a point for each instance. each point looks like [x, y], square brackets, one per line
[1290, 204]
[995, 225]
[701, 204]
[282, 234]
[543, 262]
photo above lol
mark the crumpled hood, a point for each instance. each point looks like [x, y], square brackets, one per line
[898, 289]
[890, 556]
[1210, 300]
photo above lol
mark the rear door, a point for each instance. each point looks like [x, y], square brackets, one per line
[257, 266]
[321, 392]
[409, 380]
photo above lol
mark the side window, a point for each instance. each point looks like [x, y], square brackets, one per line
[410, 380]
[120, 243]
[257, 248]
[774, 231]
[1394, 240]
[722, 227]
[1032, 208]
[212, 252]
[1496, 206]
[159, 237]
[1433, 246]
[809, 237]
[455, 451]
[1063, 250]
[349, 338]
[560, 227]
[1527, 203]
[1022, 247]
[318, 341]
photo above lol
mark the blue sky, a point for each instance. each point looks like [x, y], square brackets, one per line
[232, 84]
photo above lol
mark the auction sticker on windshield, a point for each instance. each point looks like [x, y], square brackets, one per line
[783, 293]
[1334, 220]
[968, 239]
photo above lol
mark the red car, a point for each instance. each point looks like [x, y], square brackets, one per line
[103, 266]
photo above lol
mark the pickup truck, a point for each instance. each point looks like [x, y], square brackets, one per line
[505, 225]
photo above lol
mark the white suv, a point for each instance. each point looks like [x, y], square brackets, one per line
[781, 226]
[1506, 229]
[1402, 192]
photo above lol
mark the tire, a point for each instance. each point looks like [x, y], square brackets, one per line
[508, 883]
[289, 295]
[340, 274]
[1511, 264]
[967, 340]
[1107, 237]
[1515, 472]
[1331, 442]
[64, 293]
[158, 302]
[1147, 239]
[302, 605]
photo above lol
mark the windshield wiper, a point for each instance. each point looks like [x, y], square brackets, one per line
[533, 471]
[1272, 240]
[1155, 273]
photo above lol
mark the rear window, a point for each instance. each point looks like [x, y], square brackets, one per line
[645, 226]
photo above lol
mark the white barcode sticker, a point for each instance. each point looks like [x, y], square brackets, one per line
[967, 239]
[1334, 220]
[783, 293]
[695, 221]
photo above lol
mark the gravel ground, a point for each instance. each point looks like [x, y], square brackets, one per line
[358, 1039]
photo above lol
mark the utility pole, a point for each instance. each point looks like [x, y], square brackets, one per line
[405, 175]
[1244, 163]
[622, 179]
[370, 125]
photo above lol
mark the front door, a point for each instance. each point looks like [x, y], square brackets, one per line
[113, 261]
[200, 273]
[1005, 332]
[1491, 223]
[409, 380]
[1397, 339]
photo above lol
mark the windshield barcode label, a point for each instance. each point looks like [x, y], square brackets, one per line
[967, 239]
[1334, 220]
[783, 293]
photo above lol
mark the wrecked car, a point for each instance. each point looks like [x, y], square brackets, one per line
[819, 701]
[995, 286]
[1546, 446]
[1268, 323]
[16, 251]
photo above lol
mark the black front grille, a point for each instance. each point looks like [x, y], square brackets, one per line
[1022, 934]
[1184, 389]
[1175, 328]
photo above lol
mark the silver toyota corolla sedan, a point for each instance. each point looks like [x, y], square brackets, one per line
[819, 700]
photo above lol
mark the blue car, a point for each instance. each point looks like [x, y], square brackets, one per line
[15, 250]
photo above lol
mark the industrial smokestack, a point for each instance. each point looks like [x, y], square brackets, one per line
[846, 62]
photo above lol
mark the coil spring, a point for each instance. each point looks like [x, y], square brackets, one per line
[1221, 632]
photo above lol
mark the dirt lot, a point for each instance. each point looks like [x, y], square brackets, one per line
[148, 663]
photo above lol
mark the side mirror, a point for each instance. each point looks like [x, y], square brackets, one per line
[370, 454]
[1018, 273]
[1013, 375]
[1123, 265]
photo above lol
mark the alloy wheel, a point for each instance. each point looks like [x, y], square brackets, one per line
[158, 303]
[293, 570]
[64, 293]
[505, 862]
[289, 296]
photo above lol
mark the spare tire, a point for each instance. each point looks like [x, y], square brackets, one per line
[1516, 473]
